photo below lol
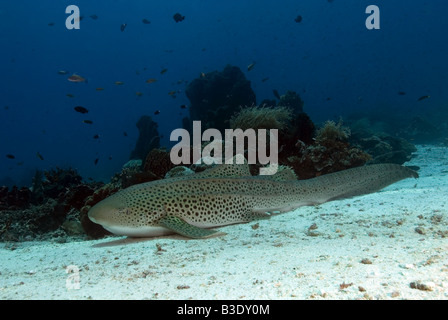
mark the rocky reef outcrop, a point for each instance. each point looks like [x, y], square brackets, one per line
[217, 95]
[148, 138]
[47, 210]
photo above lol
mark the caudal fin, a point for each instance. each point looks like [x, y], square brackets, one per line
[361, 180]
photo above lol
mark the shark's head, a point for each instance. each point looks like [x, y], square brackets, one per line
[110, 214]
[127, 213]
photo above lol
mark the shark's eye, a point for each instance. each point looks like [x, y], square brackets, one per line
[125, 211]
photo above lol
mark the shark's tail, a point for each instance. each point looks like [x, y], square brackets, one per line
[358, 181]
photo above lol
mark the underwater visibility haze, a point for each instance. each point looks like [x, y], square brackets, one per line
[328, 57]
[92, 91]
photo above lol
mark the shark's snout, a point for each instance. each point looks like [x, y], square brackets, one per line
[102, 212]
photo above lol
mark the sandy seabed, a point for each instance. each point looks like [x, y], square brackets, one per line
[389, 245]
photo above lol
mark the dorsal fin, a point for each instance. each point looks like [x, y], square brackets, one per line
[283, 173]
[237, 167]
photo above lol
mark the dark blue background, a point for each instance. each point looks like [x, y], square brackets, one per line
[330, 54]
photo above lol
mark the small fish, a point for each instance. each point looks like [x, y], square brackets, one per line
[423, 98]
[97, 136]
[119, 83]
[87, 121]
[251, 66]
[110, 157]
[81, 109]
[276, 94]
[123, 26]
[178, 17]
[94, 16]
[39, 156]
[125, 133]
[152, 80]
[76, 78]
[157, 112]
[139, 94]
[96, 161]
[264, 79]
[70, 95]
[10, 156]
[203, 75]
[172, 93]
[401, 93]
[62, 72]
[51, 24]
[146, 21]
[298, 19]
[183, 106]
[99, 89]
[164, 70]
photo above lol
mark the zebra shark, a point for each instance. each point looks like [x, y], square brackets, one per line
[229, 194]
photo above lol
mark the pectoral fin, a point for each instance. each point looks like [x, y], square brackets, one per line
[187, 230]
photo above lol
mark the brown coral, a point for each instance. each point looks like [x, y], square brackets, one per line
[332, 132]
[260, 117]
[330, 152]
[158, 162]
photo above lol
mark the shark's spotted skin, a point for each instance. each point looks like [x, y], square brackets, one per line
[228, 194]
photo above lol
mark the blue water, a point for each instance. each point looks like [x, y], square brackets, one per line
[330, 54]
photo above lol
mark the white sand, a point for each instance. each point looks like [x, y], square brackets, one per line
[281, 259]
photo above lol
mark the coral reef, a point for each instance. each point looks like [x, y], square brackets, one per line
[421, 130]
[386, 149]
[148, 138]
[383, 147]
[332, 131]
[299, 125]
[158, 162]
[330, 152]
[40, 212]
[216, 96]
[260, 117]
[132, 175]
[57, 181]
[15, 198]
[300, 128]
[291, 100]
[28, 224]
